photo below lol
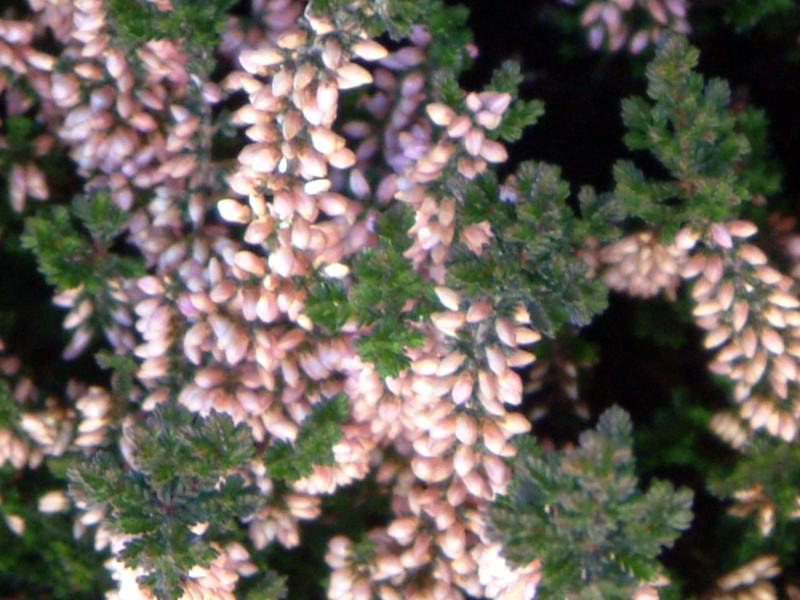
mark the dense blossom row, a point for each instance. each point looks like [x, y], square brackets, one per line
[747, 308]
[632, 23]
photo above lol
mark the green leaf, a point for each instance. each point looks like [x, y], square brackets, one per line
[702, 145]
[327, 304]
[64, 256]
[582, 513]
[197, 23]
[313, 444]
[183, 473]
[520, 114]
[756, 469]
[386, 345]
[100, 215]
[9, 407]
[531, 255]
[272, 587]
[123, 369]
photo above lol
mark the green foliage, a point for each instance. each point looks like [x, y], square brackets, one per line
[198, 23]
[384, 281]
[98, 213]
[678, 436]
[385, 346]
[19, 132]
[759, 170]
[687, 126]
[271, 587]
[521, 113]
[532, 256]
[67, 258]
[313, 445]
[45, 560]
[581, 511]
[58, 569]
[63, 255]
[387, 293]
[77, 248]
[327, 305]
[394, 17]
[123, 370]
[450, 35]
[390, 266]
[9, 407]
[182, 476]
[770, 464]
[746, 14]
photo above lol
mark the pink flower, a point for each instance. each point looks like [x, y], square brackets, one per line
[476, 236]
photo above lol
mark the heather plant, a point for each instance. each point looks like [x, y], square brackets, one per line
[304, 289]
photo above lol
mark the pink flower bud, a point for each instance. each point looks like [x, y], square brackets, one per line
[721, 235]
[351, 75]
[282, 262]
[369, 50]
[473, 141]
[343, 158]
[233, 211]
[257, 61]
[291, 40]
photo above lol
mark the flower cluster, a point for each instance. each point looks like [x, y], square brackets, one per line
[748, 580]
[747, 308]
[754, 329]
[633, 23]
[44, 428]
[215, 582]
[642, 266]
